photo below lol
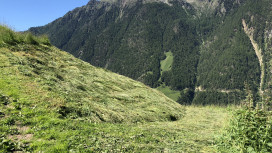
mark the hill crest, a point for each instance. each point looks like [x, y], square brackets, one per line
[74, 88]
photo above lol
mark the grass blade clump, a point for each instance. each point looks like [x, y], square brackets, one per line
[7, 36]
[10, 38]
[250, 129]
[30, 39]
[43, 39]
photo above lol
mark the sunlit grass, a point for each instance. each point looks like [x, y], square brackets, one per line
[166, 64]
[10, 38]
[53, 102]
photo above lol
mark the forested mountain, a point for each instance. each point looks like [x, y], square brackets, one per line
[218, 46]
[236, 54]
[129, 39]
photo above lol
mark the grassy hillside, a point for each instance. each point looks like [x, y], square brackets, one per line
[53, 102]
[49, 99]
[173, 94]
[166, 64]
[210, 50]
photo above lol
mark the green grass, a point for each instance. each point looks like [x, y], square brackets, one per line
[78, 89]
[83, 91]
[166, 64]
[11, 39]
[44, 90]
[53, 102]
[173, 94]
[249, 131]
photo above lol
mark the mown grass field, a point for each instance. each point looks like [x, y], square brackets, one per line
[195, 132]
[53, 102]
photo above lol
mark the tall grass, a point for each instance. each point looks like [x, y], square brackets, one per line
[250, 129]
[53, 102]
[10, 38]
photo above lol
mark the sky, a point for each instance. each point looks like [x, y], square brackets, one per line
[23, 14]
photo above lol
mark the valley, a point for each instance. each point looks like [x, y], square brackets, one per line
[204, 42]
[53, 102]
[140, 76]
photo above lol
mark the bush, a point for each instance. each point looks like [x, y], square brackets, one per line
[29, 39]
[7, 36]
[249, 131]
[44, 40]
[186, 97]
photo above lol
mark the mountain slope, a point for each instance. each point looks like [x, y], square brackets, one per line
[130, 39]
[43, 90]
[234, 56]
[214, 57]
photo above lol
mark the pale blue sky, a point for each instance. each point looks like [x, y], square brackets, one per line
[23, 14]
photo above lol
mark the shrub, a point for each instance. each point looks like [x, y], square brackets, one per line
[7, 36]
[249, 131]
[30, 39]
[186, 97]
[44, 40]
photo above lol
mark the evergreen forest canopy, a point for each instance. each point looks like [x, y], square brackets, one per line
[218, 47]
